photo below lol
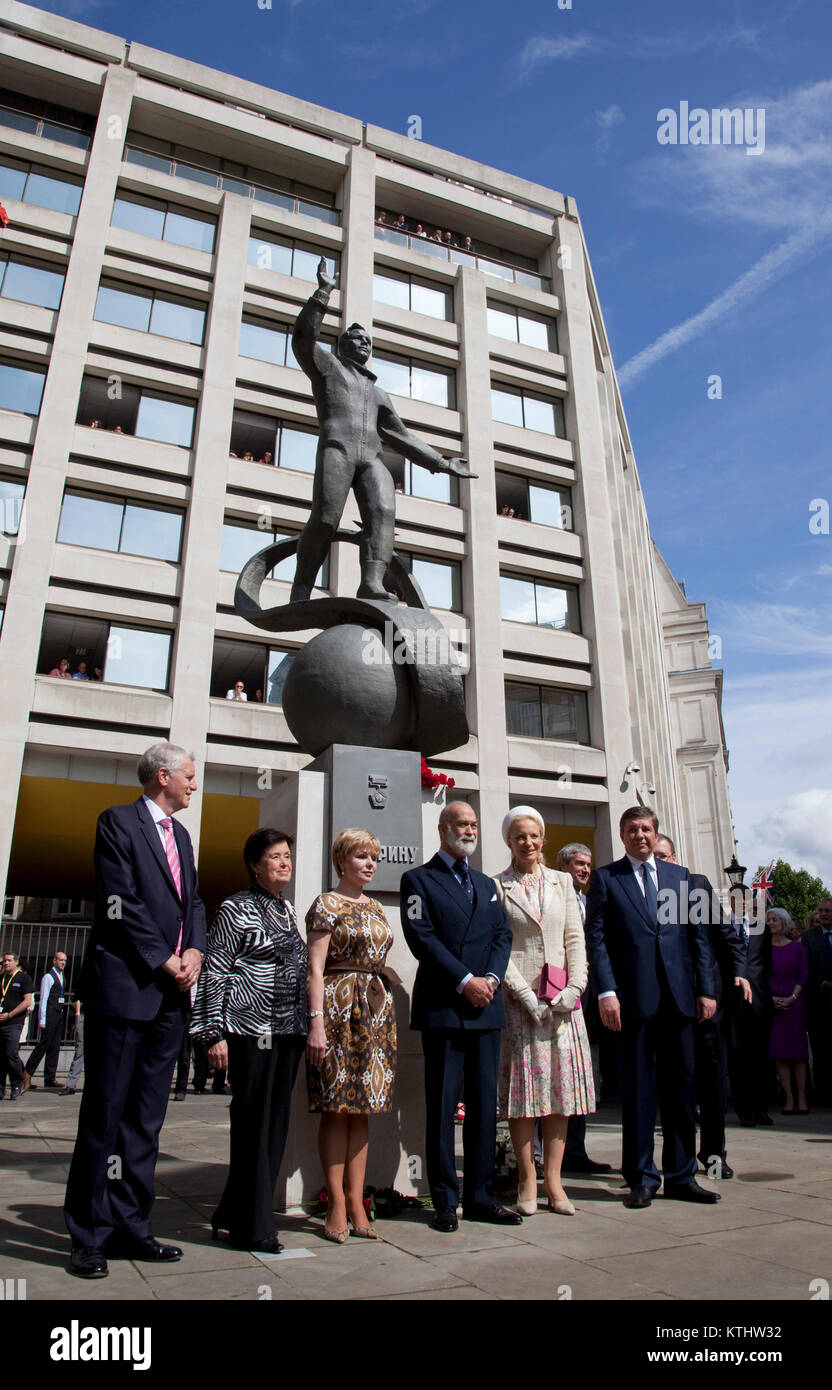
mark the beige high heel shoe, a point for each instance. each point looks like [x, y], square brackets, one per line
[527, 1208]
[337, 1236]
[563, 1208]
[365, 1232]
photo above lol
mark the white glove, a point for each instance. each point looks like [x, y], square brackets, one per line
[530, 1001]
[565, 1002]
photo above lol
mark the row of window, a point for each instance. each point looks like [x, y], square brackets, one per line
[230, 177]
[125, 655]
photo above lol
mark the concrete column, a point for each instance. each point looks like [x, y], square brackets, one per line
[481, 571]
[29, 583]
[357, 260]
[601, 613]
[194, 647]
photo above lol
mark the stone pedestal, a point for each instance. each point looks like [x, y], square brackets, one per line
[302, 806]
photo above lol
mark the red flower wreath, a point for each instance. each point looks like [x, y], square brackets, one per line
[432, 780]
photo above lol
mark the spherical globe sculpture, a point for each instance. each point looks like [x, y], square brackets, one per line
[344, 687]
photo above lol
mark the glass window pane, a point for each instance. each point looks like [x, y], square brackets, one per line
[90, 521]
[565, 716]
[463, 258]
[167, 421]
[57, 194]
[12, 179]
[436, 582]
[494, 268]
[235, 186]
[17, 120]
[523, 711]
[426, 300]
[125, 310]
[517, 600]
[428, 385]
[305, 264]
[138, 217]
[431, 248]
[434, 486]
[552, 607]
[65, 136]
[262, 343]
[239, 543]
[275, 200]
[534, 282]
[20, 389]
[507, 407]
[11, 505]
[270, 255]
[502, 324]
[532, 333]
[298, 449]
[183, 321]
[32, 285]
[137, 658]
[148, 532]
[388, 290]
[545, 505]
[189, 231]
[329, 215]
[392, 376]
[279, 664]
[161, 164]
[209, 177]
[539, 415]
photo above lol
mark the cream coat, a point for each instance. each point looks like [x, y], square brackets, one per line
[557, 940]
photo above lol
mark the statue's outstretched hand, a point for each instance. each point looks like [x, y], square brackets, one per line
[324, 281]
[459, 468]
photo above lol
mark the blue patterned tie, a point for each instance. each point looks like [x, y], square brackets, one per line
[464, 876]
[650, 893]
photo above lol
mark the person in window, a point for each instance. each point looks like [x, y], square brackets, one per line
[437, 234]
[238, 693]
[467, 244]
[248, 457]
[418, 230]
[400, 223]
[62, 669]
[258, 697]
[81, 674]
[381, 219]
[95, 425]
[97, 673]
[449, 239]
[268, 458]
[251, 1011]
[351, 1053]
[232, 455]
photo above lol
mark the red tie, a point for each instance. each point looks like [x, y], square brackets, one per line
[173, 864]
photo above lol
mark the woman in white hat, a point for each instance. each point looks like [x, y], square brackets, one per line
[545, 1062]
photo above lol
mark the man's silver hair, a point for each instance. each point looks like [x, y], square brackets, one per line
[159, 755]
[445, 813]
[567, 854]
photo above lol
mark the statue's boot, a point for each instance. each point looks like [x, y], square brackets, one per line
[372, 581]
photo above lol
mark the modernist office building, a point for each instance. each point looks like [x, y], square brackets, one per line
[165, 221]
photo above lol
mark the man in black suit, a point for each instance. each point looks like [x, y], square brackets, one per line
[709, 1037]
[654, 974]
[817, 943]
[455, 926]
[145, 953]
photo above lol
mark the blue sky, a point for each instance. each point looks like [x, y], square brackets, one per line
[709, 261]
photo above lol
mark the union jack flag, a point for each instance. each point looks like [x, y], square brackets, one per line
[764, 882]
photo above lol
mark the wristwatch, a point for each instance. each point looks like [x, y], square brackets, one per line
[316, 1013]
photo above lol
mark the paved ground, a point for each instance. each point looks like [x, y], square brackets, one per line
[769, 1238]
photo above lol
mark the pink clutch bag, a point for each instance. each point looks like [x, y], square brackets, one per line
[552, 981]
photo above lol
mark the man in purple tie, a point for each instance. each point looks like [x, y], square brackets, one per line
[145, 953]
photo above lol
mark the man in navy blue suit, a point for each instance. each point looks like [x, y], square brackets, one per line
[455, 926]
[145, 953]
[654, 974]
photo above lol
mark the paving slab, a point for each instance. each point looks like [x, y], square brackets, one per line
[694, 1271]
[253, 1284]
[417, 1237]
[800, 1245]
[529, 1272]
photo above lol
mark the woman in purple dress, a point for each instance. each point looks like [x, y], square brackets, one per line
[788, 1044]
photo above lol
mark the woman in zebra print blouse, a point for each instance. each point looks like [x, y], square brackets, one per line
[251, 1011]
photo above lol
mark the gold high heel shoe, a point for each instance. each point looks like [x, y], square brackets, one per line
[365, 1232]
[527, 1208]
[337, 1236]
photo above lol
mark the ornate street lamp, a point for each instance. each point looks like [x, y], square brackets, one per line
[735, 872]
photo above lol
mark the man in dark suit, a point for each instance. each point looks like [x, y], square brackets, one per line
[709, 1037]
[749, 1067]
[145, 953]
[51, 1014]
[654, 974]
[455, 926]
[817, 943]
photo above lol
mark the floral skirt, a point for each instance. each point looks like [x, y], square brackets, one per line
[544, 1069]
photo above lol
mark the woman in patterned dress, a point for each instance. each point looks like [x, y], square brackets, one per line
[351, 1052]
[545, 1061]
[251, 1009]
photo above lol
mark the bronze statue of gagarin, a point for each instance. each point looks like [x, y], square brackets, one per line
[355, 417]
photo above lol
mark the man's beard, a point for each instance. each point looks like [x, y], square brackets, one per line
[460, 847]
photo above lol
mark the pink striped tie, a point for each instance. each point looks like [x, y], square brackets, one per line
[173, 864]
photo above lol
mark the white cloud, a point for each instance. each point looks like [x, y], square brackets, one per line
[543, 50]
[607, 121]
[776, 629]
[786, 188]
[799, 831]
